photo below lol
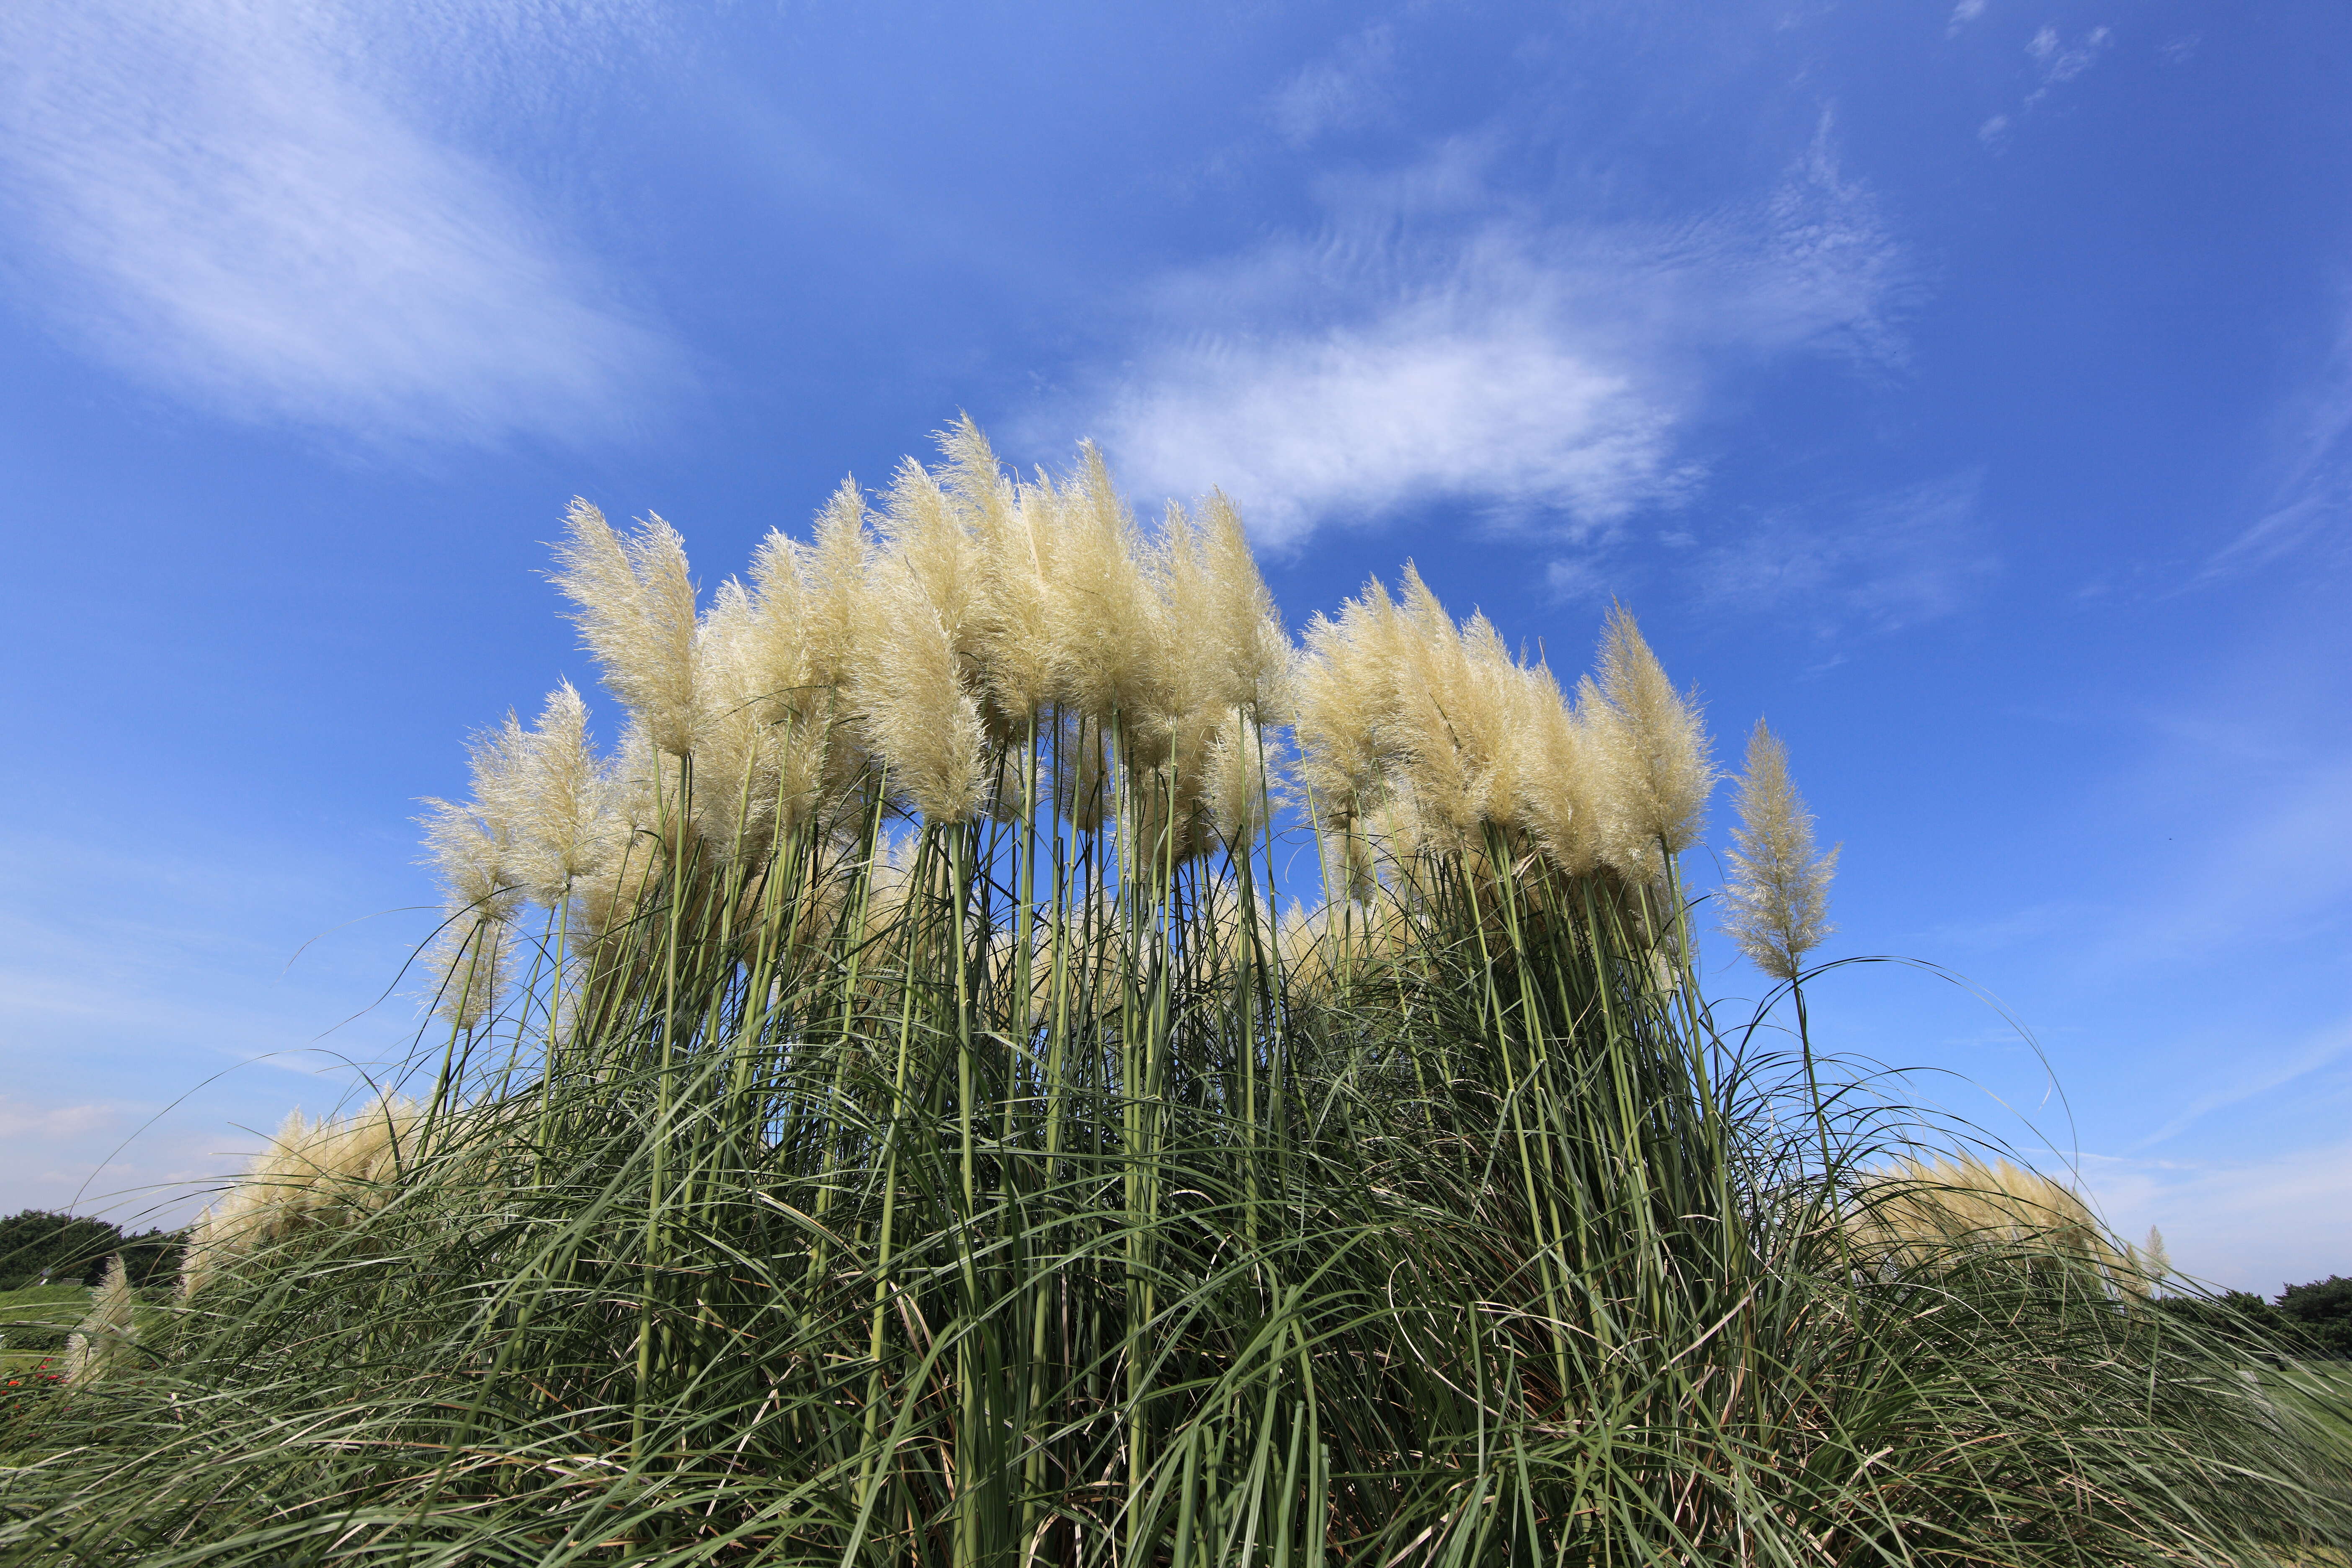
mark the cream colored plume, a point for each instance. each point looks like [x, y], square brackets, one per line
[740, 754]
[1014, 531]
[931, 538]
[469, 964]
[779, 664]
[636, 611]
[1452, 712]
[838, 609]
[1553, 774]
[1243, 771]
[1655, 770]
[473, 849]
[1778, 897]
[1917, 1212]
[553, 796]
[311, 1174]
[1222, 615]
[1107, 623]
[920, 720]
[1341, 685]
[107, 1340]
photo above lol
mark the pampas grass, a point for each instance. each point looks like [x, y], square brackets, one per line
[312, 1175]
[914, 1137]
[1918, 1213]
[1778, 894]
[107, 1340]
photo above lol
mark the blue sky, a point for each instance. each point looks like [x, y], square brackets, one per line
[1968, 389]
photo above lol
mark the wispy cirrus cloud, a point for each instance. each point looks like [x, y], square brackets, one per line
[2311, 504]
[1440, 340]
[1881, 563]
[249, 205]
[2056, 63]
[1340, 92]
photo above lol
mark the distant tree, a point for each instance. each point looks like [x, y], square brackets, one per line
[41, 1247]
[2323, 1311]
[2239, 1316]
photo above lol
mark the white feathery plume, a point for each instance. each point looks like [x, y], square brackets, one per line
[838, 609]
[1778, 891]
[473, 848]
[736, 783]
[778, 670]
[557, 800]
[470, 963]
[1235, 787]
[1553, 776]
[1019, 537]
[1452, 720]
[1106, 621]
[918, 716]
[1920, 1209]
[925, 529]
[311, 1173]
[1429, 699]
[1223, 611]
[635, 613]
[1342, 684]
[105, 1341]
[1195, 689]
[1616, 825]
[1653, 746]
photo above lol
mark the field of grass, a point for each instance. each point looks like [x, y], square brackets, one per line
[26, 1349]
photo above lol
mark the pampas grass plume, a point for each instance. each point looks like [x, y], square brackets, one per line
[1554, 776]
[104, 1343]
[310, 1173]
[1655, 745]
[1016, 531]
[1106, 621]
[1340, 689]
[561, 807]
[920, 719]
[838, 608]
[1916, 1210]
[636, 612]
[1224, 609]
[1778, 891]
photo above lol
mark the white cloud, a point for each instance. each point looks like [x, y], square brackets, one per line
[2313, 499]
[233, 200]
[2061, 61]
[1340, 92]
[20, 1119]
[1436, 343]
[1888, 561]
[2253, 1226]
[1965, 12]
[2272, 852]
[2320, 1049]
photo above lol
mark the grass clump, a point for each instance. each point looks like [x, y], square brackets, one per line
[908, 1132]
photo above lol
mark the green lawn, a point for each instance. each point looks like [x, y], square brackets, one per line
[22, 1349]
[2335, 1409]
